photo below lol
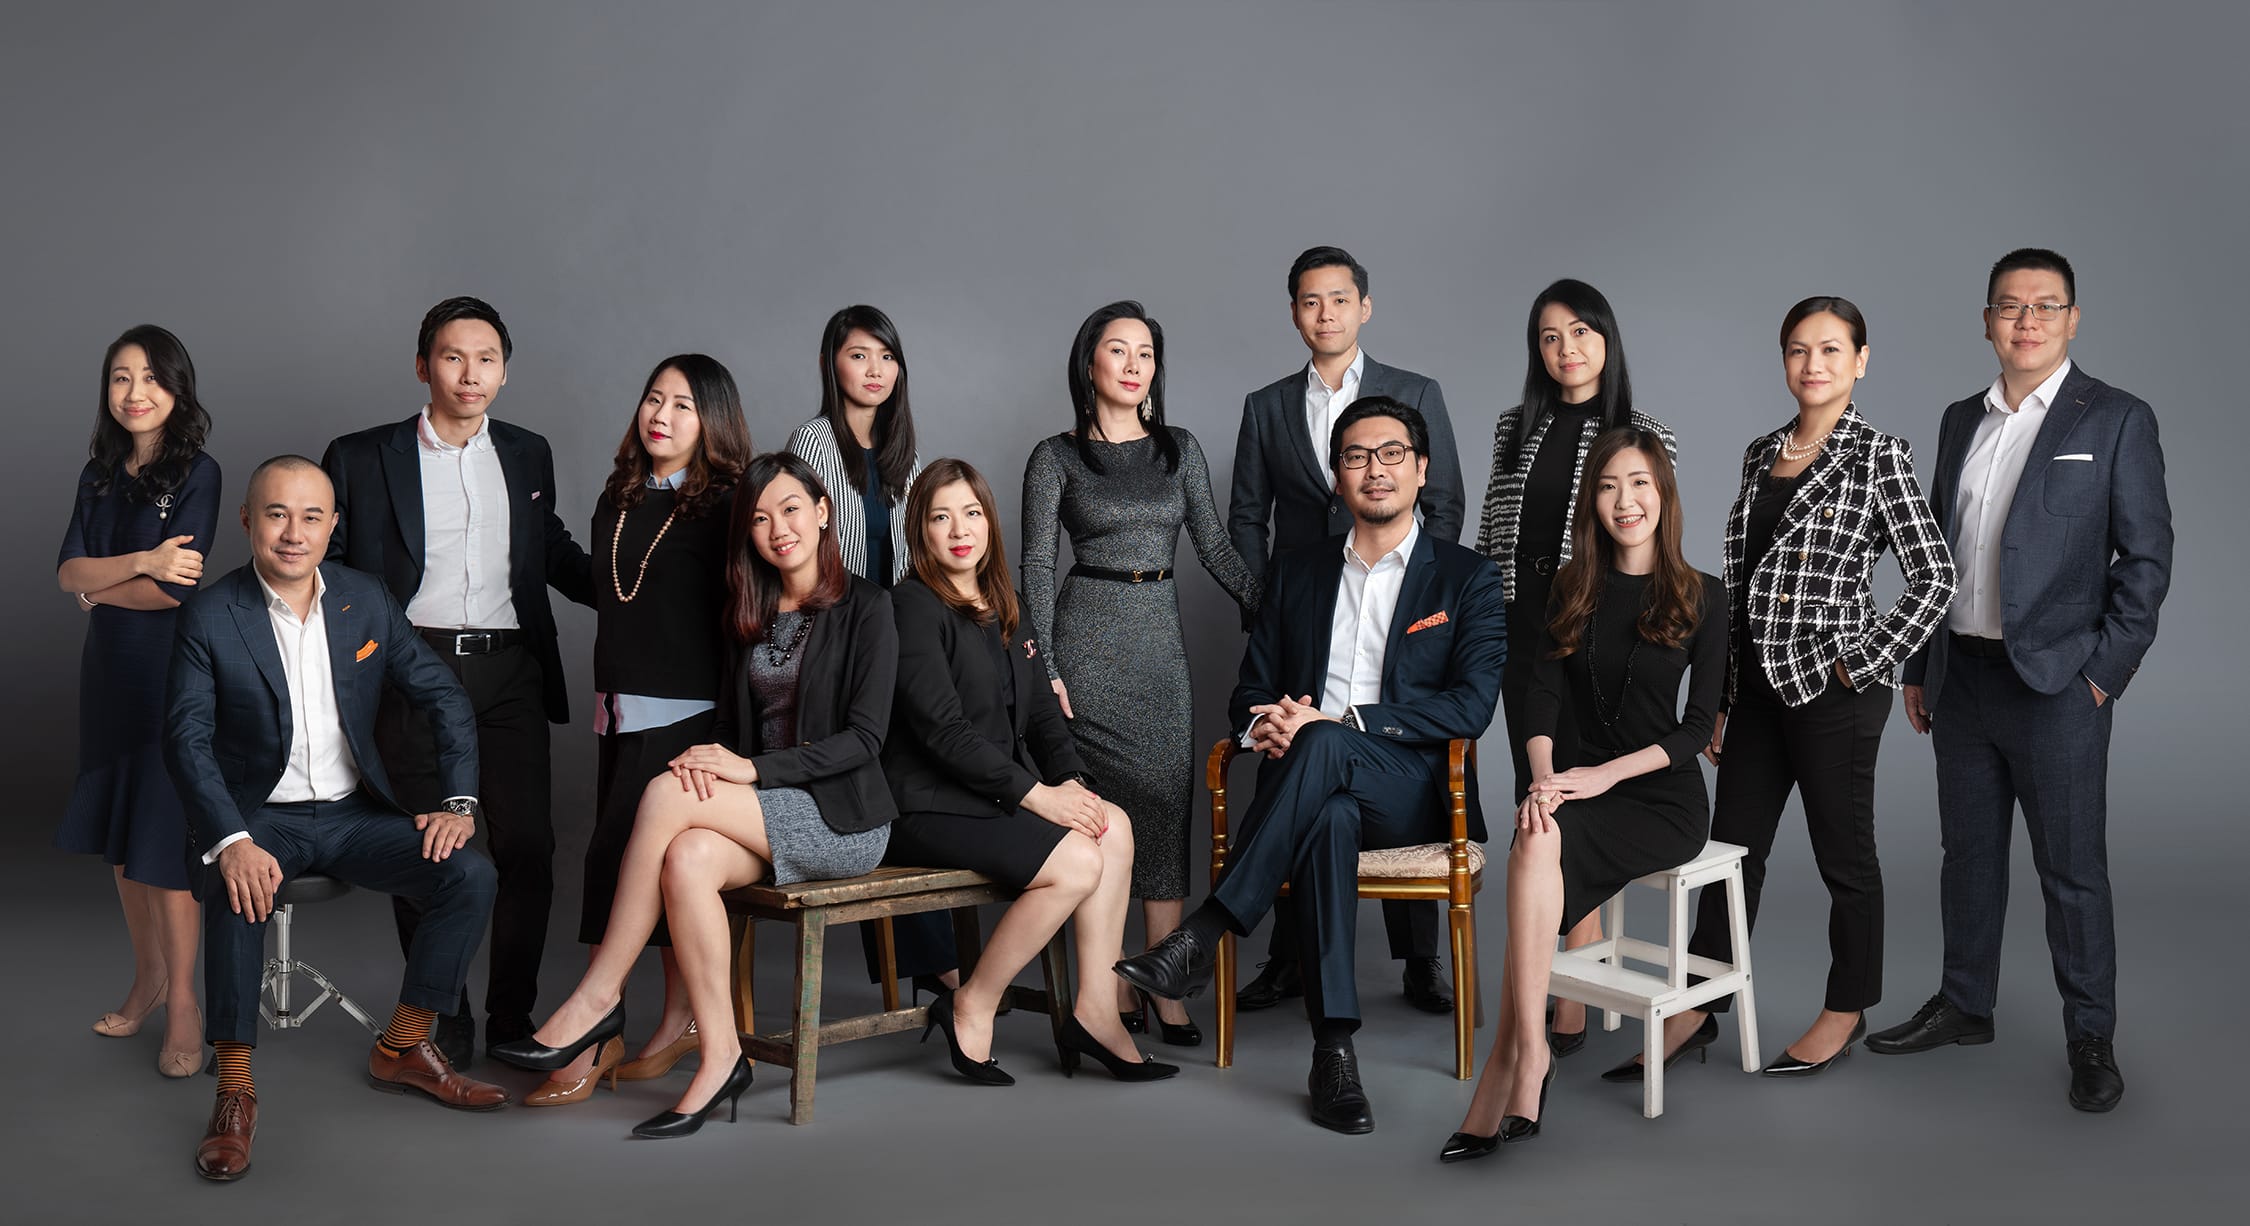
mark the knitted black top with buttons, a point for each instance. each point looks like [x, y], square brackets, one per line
[1546, 496]
[665, 642]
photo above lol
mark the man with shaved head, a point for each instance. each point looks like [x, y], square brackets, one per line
[269, 735]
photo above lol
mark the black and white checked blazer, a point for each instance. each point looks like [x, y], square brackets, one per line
[1809, 602]
[1502, 518]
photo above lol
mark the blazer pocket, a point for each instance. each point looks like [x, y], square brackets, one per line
[2073, 486]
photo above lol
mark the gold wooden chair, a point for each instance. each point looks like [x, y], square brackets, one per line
[1452, 871]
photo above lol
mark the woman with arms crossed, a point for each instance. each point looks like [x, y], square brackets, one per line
[148, 502]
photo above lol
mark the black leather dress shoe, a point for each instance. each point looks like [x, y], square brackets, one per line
[1788, 1065]
[1173, 968]
[1426, 986]
[455, 1034]
[1278, 980]
[2095, 1083]
[1937, 1023]
[1338, 1102]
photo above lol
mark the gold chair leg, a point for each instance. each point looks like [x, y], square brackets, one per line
[1466, 1005]
[1224, 973]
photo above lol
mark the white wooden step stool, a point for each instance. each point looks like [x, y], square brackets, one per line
[1596, 975]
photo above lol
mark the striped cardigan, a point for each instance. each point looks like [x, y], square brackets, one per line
[1503, 493]
[814, 442]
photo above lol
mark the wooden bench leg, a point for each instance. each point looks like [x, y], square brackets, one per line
[1224, 973]
[745, 966]
[804, 1040]
[886, 957]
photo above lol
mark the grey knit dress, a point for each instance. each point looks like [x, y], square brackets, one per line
[1117, 645]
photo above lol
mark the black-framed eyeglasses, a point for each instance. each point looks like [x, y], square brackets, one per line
[1389, 453]
[2044, 312]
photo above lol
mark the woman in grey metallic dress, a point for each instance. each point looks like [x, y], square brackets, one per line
[1123, 484]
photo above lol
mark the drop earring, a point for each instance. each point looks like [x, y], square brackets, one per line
[1147, 414]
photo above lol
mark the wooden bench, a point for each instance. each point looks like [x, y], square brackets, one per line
[812, 906]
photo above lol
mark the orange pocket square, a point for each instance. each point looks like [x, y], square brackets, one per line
[366, 651]
[1434, 619]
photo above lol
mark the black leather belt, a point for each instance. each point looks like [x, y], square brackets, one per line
[1121, 576]
[1979, 647]
[470, 642]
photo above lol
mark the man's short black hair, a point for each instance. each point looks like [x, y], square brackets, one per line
[1326, 257]
[459, 308]
[1417, 430]
[2037, 259]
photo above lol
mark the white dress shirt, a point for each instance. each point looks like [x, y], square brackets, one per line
[320, 764]
[1366, 601]
[464, 534]
[1990, 473]
[1324, 404]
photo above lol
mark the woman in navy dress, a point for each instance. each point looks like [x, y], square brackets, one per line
[148, 502]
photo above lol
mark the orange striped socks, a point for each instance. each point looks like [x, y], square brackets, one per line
[234, 1067]
[409, 1026]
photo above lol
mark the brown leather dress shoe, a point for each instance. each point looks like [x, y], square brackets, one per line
[225, 1152]
[423, 1069]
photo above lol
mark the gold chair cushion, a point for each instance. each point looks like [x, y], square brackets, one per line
[1425, 860]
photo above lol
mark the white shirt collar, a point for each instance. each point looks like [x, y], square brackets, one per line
[276, 602]
[1352, 373]
[1996, 397]
[1403, 551]
[426, 431]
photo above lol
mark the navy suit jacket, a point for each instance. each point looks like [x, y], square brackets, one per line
[2086, 547]
[1441, 666]
[1281, 501]
[227, 719]
[378, 478]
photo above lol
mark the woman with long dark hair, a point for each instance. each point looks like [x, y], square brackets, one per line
[1623, 796]
[1575, 386]
[789, 786]
[1812, 664]
[987, 777]
[660, 554]
[148, 502]
[1122, 483]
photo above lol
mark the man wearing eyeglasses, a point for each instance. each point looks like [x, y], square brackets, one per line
[2050, 486]
[1370, 652]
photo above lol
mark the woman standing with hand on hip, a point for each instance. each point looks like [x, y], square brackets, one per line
[1123, 484]
[1812, 664]
[1575, 386]
[148, 502]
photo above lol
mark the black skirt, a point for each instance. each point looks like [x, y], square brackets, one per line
[1644, 825]
[624, 763]
[1011, 848]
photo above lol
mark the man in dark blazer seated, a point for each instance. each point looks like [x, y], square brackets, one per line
[1285, 497]
[276, 673]
[1371, 651]
[457, 513]
[2050, 487]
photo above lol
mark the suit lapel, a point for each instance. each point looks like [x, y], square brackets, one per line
[402, 478]
[1327, 576]
[256, 628]
[1413, 601]
[523, 522]
[1292, 411]
[2071, 401]
[344, 642]
[1827, 468]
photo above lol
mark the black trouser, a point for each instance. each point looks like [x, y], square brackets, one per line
[1826, 750]
[514, 788]
[1335, 793]
[371, 846]
[1998, 743]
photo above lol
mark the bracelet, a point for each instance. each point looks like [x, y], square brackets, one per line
[84, 601]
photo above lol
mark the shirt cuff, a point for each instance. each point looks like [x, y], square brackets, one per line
[1244, 739]
[212, 856]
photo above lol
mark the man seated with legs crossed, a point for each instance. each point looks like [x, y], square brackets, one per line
[270, 716]
[1372, 650]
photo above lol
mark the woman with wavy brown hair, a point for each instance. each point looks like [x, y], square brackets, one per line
[1630, 618]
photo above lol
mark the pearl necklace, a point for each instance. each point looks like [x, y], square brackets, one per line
[1794, 451]
[640, 576]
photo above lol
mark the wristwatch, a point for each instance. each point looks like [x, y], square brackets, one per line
[1351, 719]
[465, 806]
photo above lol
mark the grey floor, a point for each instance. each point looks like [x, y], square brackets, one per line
[1959, 1135]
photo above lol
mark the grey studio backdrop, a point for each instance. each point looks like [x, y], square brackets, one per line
[289, 187]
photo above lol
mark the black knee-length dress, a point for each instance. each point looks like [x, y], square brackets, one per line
[1621, 693]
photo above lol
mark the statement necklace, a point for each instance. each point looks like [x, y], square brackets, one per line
[777, 654]
[640, 576]
[1602, 710]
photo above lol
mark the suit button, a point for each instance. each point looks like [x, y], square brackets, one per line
[1785, 598]
[1828, 512]
[1802, 555]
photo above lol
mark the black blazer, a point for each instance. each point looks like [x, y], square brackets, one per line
[378, 478]
[954, 747]
[227, 722]
[1441, 667]
[1279, 497]
[844, 685]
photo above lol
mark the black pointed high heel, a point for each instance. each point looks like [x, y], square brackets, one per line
[528, 1052]
[1514, 1128]
[984, 1073]
[926, 983]
[1786, 1065]
[1186, 1034]
[671, 1124]
[1463, 1146]
[1136, 1021]
[1077, 1041]
[1702, 1037]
